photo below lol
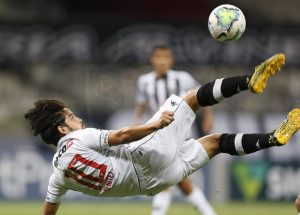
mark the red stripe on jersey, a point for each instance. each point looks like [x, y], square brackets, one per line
[72, 169]
[83, 175]
[78, 157]
[80, 181]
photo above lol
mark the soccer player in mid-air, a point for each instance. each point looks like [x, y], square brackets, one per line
[155, 155]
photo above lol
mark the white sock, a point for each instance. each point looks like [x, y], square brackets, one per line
[161, 202]
[198, 200]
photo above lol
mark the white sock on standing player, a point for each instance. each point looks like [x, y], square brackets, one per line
[198, 200]
[161, 202]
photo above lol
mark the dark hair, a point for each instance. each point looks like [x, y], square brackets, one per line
[164, 47]
[44, 119]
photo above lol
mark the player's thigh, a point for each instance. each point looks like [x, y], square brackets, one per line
[165, 142]
[158, 150]
[191, 157]
[183, 118]
[155, 153]
[191, 99]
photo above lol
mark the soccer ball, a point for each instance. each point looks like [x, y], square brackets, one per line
[226, 23]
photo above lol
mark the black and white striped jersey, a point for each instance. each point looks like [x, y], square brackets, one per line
[153, 91]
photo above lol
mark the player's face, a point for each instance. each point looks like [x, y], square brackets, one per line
[162, 61]
[72, 122]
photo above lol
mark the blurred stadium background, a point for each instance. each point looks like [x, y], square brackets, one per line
[90, 54]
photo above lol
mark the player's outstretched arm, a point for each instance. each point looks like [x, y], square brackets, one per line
[50, 208]
[134, 133]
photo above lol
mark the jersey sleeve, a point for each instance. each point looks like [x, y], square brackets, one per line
[141, 93]
[55, 191]
[96, 138]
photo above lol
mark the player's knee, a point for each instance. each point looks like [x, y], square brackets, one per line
[211, 144]
[213, 139]
[191, 99]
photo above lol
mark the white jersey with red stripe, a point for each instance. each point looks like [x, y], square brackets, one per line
[84, 163]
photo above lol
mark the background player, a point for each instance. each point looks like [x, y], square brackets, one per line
[153, 90]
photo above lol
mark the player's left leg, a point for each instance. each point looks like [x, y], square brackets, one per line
[241, 144]
[196, 197]
[297, 204]
[214, 92]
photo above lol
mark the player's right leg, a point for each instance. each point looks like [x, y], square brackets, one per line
[241, 144]
[214, 92]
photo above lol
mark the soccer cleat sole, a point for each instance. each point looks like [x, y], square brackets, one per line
[264, 71]
[288, 127]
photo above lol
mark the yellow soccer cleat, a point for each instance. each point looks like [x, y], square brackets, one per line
[263, 71]
[288, 127]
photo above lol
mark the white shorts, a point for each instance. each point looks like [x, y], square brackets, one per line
[164, 158]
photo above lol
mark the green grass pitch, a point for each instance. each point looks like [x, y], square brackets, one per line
[83, 208]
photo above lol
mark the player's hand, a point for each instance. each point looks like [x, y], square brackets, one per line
[166, 118]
